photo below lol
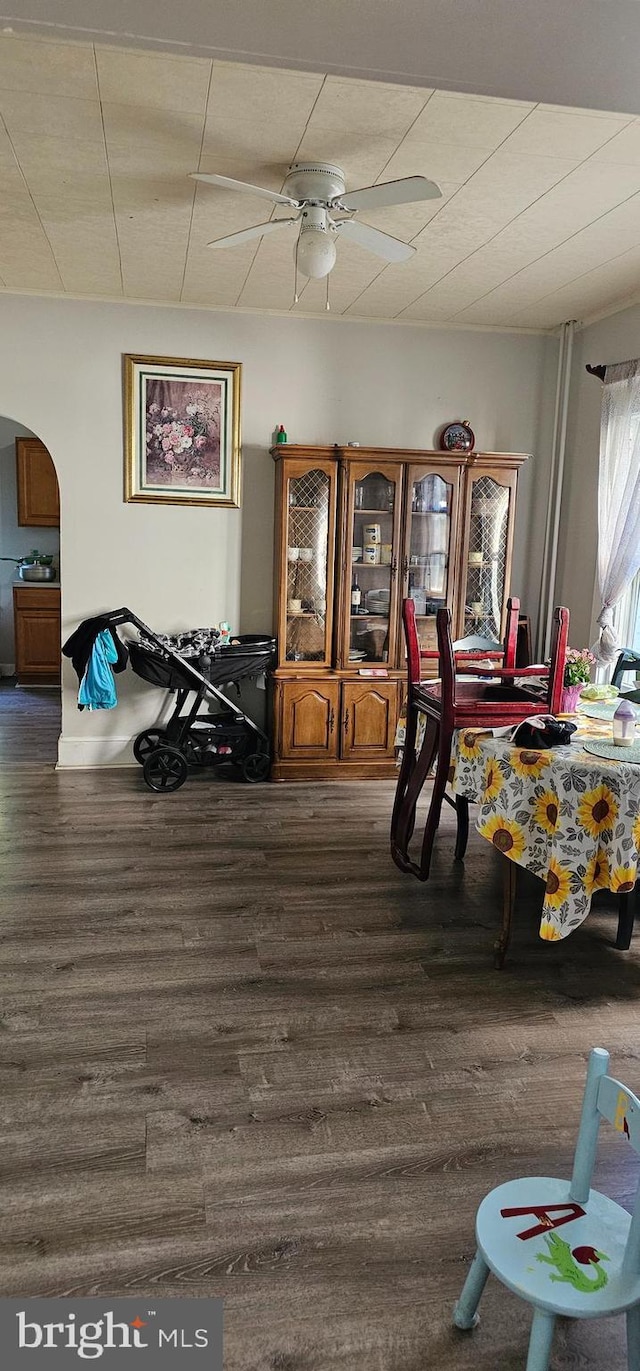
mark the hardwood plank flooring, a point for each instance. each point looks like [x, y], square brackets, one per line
[241, 1054]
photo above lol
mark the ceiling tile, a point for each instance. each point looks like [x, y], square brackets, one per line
[367, 106]
[52, 116]
[623, 147]
[470, 122]
[152, 143]
[47, 68]
[257, 113]
[438, 161]
[567, 135]
[159, 80]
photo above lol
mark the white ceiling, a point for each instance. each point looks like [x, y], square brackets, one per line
[539, 222]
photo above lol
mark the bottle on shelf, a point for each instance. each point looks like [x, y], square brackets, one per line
[356, 595]
[281, 436]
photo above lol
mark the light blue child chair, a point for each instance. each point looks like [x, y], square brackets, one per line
[560, 1245]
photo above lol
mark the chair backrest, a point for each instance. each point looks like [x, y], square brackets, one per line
[627, 661]
[606, 1098]
[467, 650]
[554, 675]
[559, 639]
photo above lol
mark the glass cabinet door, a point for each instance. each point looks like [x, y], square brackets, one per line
[309, 505]
[488, 553]
[373, 523]
[428, 572]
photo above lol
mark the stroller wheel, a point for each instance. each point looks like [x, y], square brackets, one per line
[256, 767]
[147, 742]
[165, 769]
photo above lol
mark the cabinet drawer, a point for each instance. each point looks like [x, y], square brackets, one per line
[38, 597]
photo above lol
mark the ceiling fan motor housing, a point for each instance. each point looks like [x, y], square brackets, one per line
[314, 181]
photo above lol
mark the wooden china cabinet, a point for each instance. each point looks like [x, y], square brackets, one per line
[357, 530]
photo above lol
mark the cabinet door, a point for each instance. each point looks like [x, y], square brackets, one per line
[368, 719]
[38, 496]
[309, 719]
[305, 556]
[37, 633]
[486, 549]
[430, 541]
[370, 589]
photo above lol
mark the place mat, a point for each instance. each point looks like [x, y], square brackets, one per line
[613, 753]
[598, 709]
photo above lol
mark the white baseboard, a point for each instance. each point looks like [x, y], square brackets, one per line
[88, 752]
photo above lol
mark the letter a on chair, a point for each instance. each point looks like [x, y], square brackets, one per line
[564, 1248]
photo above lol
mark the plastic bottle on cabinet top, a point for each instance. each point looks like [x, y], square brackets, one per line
[281, 436]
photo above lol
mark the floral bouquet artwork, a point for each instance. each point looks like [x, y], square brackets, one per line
[183, 434]
[577, 674]
[182, 431]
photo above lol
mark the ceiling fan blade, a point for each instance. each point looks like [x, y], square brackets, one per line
[403, 192]
[227, 183]
[381, 243]
[232, 240]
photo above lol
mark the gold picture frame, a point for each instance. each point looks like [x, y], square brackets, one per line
[182, 431]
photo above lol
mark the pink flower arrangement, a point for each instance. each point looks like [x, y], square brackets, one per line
[183, 444]
[578, 664]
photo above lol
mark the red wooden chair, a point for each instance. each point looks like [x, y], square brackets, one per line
[451, 703]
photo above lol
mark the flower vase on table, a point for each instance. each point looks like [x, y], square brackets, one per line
[570, 696]
[577, 674]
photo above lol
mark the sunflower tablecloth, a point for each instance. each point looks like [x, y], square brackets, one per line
[568, 816]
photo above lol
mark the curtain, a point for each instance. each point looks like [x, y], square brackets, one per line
[618, 497]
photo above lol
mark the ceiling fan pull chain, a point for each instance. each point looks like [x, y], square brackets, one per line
[328, 306]
[296, 297]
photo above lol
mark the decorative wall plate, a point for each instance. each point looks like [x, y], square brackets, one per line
[457, 437]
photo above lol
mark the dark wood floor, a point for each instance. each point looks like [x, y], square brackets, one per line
[241, 1054]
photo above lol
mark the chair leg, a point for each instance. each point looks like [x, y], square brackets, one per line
[540, 1340]
[462, 814]
[465, 1314]
[406, 767]
[633, 1338]
[501, 945]
[439, 786]
[626, 918]
[403, 821]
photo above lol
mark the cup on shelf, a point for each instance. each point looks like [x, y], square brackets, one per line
[385, 554]
[475, 559]
[371, 554]
[292, 554]
[371, 534]
[356, 554]
[305, 554]
[294, 606]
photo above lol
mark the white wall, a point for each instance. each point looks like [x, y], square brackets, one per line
[609, 340]
[15, 541]
[326, 380]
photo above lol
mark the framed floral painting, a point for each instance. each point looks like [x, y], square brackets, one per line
[182, 431]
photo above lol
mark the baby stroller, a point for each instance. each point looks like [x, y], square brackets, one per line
[189, 739]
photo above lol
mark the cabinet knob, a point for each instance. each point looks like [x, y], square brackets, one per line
[346, 720]
[394, 566]
[332, 719]
[405, 568]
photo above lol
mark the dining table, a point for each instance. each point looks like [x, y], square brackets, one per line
[569, 814]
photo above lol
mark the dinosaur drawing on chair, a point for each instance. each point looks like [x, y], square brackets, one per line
[566, 1264]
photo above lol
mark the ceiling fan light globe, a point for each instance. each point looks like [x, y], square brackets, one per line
[316, 253]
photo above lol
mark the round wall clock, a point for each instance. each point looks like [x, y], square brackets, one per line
[457, 437]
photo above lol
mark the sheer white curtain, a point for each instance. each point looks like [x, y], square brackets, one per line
[618, 497]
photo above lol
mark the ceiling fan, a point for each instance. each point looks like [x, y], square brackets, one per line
[317, 192]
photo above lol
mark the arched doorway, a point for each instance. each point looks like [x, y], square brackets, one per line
[29, 599]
